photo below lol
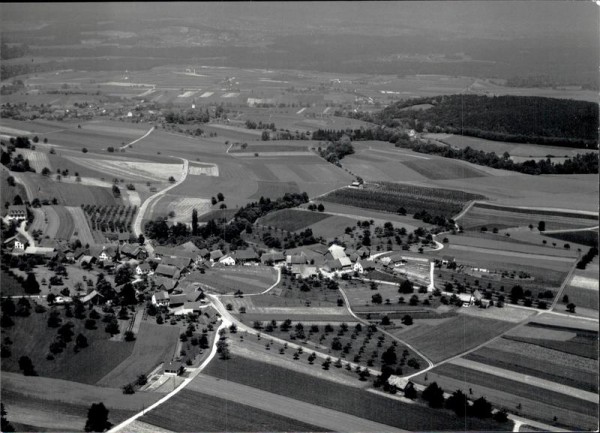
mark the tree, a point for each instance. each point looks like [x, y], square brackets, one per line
[6, 425]
[433, 395]
[128, 389]
[501, 416]
[97, 419]
[376, 298]
[265, 136]
[481, 408]
[194, 222]
[129, 336]
[320, 207]
[542, 226]
[220, 197]
[171, 179]
[516, 293]
[84, 150]
[571, 307]
[458, 402]
[407, 320]
[81, 341]
[112, 328]
[213, 201]
[410, 392]
[406, 287]
[26, 365]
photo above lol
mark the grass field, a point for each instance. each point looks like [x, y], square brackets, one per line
[10, 286]
[32, 337]
[81, 229]
[188, 410]
[351, 400]
[291, 219]
[442, 169]
[491, 216]
[548, 369]
[518, 389]
[273, 190]
[66, 226]
[217, 214]
[588, 238]
[9, 192]
[248, 279]
[455, 336]
[154, 344]
[578, 346]
[68, 194]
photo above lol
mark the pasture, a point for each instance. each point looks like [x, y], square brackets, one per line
[347, 399]
[189, 409]
[248, 279]
[135, 171]
[490, 216]
[291, 219]
[333, 226]
[81, 228]
[455, 336]
[154, 345]
[67, 194]
[87, 366]
[588, 238]
[444, 168]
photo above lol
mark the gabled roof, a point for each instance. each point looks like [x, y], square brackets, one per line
[296, 260]
[363, 251]
[337, 251]
[145, 266]
[216, 254]
[203, 252]
[178, 262]
[168, 283]
[345, 261]
[161, 296]
[333, 264]
[123, 236]
[247, 254]
[319, 248]
[18, 237]
[276, 257]
[228, 257]
[89, 296]
[189, 247]
[167, 270]
[17, 208]
[131, 250]
[178, 299]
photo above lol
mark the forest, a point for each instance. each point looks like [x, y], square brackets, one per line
[519, 119]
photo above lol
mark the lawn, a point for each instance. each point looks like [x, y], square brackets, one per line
[154, 344]
[454, 336]
[188, 410]
[548, 369]
[291, 219]
[343, 398]
[32, 338]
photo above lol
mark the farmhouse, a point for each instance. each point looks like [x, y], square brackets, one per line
[104, 253]
[161, 299]
[87, 261]
[319, 249]
[204, 253]
[363, 252]
[90, 297]
[144, 269]
[447, 259]
[167, 271]
[134, 251]
[227, 260]
[177, 300]
[187, 308]
[17, 243]
[274, 258]
[295, 260]
[363, 266]
[164, 283]
[246, 256]
[173, 368]
[337, 252]
[180, 263]
[215, 255]
[17, 212]
[304, 271]
[466, 298]
[41, 251]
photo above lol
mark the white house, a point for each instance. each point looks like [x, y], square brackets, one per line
[143, 269]
[161, 299]
[227, 260]
[17, 212]
[358, 267]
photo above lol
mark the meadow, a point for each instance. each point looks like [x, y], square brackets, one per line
[154, 344]
[454, 336]
[248, 279]
[291, 219]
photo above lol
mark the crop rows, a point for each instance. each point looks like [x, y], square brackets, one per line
[391, 197]
[117, 218]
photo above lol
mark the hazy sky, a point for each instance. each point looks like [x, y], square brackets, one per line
[474, 18]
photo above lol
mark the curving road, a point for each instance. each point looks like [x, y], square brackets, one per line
[137, 224]
[137, 139]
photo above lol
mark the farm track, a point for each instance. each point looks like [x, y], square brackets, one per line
[138, 139]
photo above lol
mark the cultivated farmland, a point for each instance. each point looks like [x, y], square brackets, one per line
[390, 197]
[292, 220]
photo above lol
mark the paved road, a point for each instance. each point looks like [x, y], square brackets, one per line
[312, 414]
[137, 224]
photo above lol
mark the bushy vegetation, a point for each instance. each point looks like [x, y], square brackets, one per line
[587, 258]
[252, 211]
[17, 162]
[336, 150]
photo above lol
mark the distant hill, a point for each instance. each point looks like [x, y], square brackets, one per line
[520, 119]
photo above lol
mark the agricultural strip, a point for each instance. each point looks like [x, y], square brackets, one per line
[537, 367]
[284, 406]
[585, 349]
[188, 410]
[523, 378]
[154, 344]
[65, 230]
[520, 389]
[273, 190]
[443, 168]
[455, 336]
[350, 400]
[291, 219]
[81, 229]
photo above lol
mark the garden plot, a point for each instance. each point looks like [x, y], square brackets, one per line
[37, 160]
[198, 169]
[132, 170]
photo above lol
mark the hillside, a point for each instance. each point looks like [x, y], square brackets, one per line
[520, 119]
